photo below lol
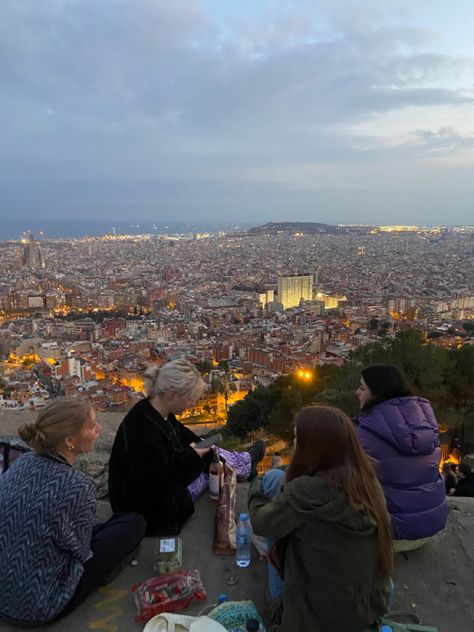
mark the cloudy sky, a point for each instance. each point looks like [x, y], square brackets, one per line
[238, 110]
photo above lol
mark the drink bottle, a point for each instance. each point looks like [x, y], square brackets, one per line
[242, 554]
[215, 476]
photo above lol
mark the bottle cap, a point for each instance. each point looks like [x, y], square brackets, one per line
[222, 597]
[386, 628]
[243, 517]
[253, 625]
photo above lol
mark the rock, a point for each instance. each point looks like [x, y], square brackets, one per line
[96, 465]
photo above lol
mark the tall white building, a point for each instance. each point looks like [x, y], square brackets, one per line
[291, 289]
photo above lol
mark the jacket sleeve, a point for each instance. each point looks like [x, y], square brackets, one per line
[187, 436]
[154, 467]
[271, 518]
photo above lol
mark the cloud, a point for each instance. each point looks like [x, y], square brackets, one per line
[149, 101]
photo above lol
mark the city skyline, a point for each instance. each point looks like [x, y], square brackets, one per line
[338, 112]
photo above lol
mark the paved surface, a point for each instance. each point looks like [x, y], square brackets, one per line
[437, 581]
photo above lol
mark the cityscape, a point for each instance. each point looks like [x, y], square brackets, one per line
[86, 316]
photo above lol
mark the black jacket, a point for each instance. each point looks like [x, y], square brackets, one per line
[465, 486]
[150, 467]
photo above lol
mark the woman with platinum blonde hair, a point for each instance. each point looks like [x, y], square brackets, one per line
[52, 555]
[156, 467]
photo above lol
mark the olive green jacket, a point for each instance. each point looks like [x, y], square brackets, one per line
[332, 578]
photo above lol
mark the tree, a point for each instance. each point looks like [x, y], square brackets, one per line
[469, 326]
[252, 412]
[204, 366]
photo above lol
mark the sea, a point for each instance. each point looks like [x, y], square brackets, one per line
[11, 228]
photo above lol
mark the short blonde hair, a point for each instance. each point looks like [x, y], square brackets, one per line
[61, 418]
[179, 376]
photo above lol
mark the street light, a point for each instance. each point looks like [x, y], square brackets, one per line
[304, 374]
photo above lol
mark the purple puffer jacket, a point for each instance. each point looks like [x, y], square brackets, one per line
[402, 435]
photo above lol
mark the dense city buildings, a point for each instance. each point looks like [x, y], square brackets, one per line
[245, 307]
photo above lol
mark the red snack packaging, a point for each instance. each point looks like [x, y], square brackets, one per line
[167, 593]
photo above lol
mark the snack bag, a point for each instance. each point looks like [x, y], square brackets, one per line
[167, 593]
[168, 555]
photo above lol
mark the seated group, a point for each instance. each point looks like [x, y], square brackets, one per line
[354, 491]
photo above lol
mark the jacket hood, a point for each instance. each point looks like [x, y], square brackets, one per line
[316, 496]
[407, 423]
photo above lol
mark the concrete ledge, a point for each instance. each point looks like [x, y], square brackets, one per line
[435, 582]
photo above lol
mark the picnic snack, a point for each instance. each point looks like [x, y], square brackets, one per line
[168, 555]
[167, 593]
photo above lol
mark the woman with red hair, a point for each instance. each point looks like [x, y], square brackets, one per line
[332, 529]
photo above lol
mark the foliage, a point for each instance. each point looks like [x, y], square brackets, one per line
[445, 377]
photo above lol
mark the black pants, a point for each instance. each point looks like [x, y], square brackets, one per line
[113, 544]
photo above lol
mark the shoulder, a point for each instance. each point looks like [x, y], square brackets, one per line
[309, 491]
[137, 424]
[138, 411]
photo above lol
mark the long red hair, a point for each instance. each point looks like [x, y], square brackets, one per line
[327, 444]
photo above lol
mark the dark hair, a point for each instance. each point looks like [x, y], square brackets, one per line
[327, 443]
[385, 381]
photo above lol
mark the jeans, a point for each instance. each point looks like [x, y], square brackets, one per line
[272, 483]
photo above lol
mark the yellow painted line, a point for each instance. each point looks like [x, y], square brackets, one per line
[111, 610]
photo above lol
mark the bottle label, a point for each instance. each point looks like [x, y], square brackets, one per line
[214, 485]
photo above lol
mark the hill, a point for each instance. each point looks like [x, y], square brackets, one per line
[307, 228]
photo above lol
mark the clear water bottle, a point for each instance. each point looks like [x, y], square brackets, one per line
[242, 554]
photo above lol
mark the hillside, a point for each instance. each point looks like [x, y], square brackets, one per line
[307, 228]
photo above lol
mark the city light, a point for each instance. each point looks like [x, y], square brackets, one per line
[305, 374]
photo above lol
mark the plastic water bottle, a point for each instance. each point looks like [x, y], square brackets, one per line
[242, 555]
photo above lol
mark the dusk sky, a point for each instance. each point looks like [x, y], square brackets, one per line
[335, 111]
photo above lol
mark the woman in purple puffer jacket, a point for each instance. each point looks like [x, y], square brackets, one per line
[401, 433]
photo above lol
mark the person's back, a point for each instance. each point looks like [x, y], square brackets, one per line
[332, 565]
[47, 515]
[465, 486]
[331, 528]
[401, 434]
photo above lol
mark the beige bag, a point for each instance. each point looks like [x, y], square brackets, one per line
[168, 622]
[224, 524]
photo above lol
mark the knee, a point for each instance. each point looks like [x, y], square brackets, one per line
[272, 482]
[136, 523]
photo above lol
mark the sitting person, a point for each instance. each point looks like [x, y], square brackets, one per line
[156, 466]
[401, 434]
[334, 545]
[450, 479]
[52, 556]
[465, 486]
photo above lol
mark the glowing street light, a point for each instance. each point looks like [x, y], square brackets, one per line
[304, 374]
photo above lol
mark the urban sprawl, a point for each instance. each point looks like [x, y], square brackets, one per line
[85, 316]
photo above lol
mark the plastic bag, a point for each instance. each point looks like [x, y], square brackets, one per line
[167, 622]
[167, 593]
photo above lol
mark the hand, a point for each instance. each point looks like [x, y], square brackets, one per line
[200, 451]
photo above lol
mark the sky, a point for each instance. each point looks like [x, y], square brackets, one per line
[337, 111]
